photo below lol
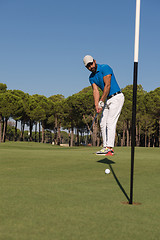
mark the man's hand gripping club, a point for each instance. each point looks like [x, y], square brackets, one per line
[100, 106]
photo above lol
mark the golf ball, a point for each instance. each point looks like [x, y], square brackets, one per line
[107, 171]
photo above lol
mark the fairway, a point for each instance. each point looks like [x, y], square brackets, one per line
[56, 193]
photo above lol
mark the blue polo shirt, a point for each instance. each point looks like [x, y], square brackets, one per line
[97, 78]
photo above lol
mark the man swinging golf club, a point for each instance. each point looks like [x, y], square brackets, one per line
[110, 103]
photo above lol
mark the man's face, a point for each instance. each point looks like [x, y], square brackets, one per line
[92, 66]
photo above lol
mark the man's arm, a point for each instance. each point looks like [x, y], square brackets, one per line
[107, 82]
[96, 96]
[107, 85]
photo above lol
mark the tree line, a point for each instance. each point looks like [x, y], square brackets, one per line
[75, 114]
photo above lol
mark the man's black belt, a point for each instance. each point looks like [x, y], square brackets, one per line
[114, 94]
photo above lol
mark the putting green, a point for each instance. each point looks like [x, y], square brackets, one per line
[54, 193]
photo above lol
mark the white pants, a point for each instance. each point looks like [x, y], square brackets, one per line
[109, 118]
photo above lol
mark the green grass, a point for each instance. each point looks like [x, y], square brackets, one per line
[57, 193]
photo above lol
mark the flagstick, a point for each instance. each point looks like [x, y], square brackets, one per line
[136, 50]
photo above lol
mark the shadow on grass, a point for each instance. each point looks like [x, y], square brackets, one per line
[109, 162]
[106, 161]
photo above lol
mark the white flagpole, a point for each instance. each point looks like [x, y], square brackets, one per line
[137, 24]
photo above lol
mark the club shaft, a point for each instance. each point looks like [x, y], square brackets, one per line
[93, 121]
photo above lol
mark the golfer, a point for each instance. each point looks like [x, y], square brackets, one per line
[110, 103]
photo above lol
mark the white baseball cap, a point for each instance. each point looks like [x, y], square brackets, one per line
[87, 59]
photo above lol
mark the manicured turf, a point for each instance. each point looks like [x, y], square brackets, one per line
[57, 193]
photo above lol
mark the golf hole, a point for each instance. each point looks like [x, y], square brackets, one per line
[134, 203]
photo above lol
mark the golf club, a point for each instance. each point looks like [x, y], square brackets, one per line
[101, 104]
[93, 122]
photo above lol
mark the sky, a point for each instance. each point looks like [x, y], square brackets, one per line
[43, 42]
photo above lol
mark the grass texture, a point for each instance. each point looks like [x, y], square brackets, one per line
[57, 193]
